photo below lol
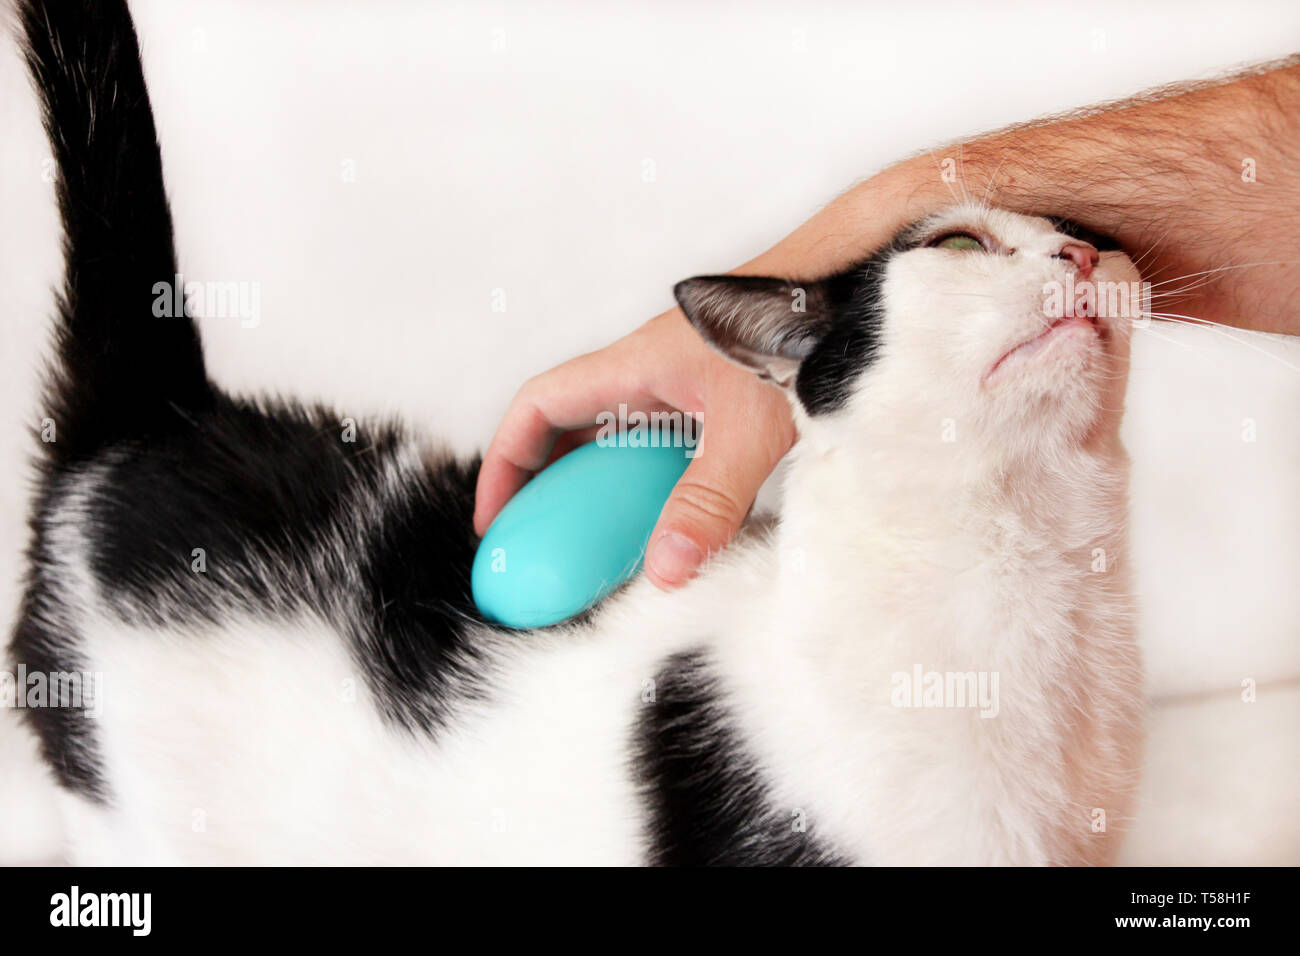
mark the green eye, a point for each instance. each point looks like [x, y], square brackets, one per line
[959, 241]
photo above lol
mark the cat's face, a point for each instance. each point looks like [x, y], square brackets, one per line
[1012, 329]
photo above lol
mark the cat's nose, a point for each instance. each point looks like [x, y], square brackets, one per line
[1083, 255]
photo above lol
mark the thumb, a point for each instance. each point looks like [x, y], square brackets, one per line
[715, 493]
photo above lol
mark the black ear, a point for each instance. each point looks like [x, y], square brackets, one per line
[768, 325]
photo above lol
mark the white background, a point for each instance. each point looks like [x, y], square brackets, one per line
[507, 147]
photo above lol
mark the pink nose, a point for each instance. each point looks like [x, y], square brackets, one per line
[1084, 256]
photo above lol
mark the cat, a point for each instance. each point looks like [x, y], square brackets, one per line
[928, 659]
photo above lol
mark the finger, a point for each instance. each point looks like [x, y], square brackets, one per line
[501, 474]
[567, 397]
[742, 442]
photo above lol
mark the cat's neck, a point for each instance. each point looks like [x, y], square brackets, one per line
[944, 565]
[898, 499]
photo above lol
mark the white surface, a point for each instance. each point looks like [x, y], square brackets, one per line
[1221, 782]
[501, 147]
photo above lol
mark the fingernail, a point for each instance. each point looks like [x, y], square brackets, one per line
[674, 557]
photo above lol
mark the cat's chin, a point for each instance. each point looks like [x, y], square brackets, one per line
[1054, 400]
[1059, 348]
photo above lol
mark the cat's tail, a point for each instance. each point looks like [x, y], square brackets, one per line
[122, 370]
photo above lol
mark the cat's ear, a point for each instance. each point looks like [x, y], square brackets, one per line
[768, 325]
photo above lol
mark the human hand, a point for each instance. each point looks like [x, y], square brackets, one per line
[662, 366]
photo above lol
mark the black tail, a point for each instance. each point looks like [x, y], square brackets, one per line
[122, 371]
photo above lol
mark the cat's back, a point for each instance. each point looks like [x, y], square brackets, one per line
[273, 611]
[261, 545]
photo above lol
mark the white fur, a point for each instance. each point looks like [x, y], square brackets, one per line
[896, 547]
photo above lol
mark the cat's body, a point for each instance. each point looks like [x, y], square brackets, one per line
[293, 670]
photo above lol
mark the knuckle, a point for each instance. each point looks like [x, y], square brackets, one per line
[708, 502]
[529, 389]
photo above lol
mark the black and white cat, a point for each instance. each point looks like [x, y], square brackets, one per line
[320, 688]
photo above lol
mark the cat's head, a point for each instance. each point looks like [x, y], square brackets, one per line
[1013, 330]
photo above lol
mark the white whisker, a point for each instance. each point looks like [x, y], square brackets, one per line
[1243, 265]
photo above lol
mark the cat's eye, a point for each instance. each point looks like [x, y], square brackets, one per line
[960, 241]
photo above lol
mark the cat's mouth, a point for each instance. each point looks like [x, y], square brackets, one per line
[1069, 325]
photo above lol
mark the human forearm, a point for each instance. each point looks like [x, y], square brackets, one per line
[1189, 180]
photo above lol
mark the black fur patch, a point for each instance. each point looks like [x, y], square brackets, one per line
[248, 486]
[826, 376]
[65, 733]
[417, 574]
[291, 518]
[708, 803]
